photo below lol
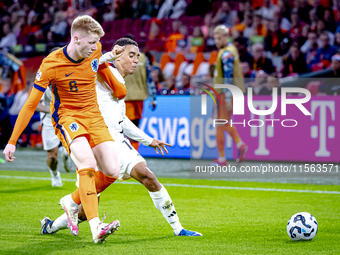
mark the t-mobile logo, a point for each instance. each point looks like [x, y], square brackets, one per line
[263, 131]
[322, 131]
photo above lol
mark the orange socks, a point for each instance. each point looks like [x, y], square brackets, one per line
[100, 181]
[103, 181]
[86, 193]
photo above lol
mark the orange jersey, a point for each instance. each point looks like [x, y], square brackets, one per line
[73, 89]
[73, 81]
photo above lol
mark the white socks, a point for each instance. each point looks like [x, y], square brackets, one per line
[239, 144]
[58, 224]
[163, 202]
[53, 173]
[94, 222]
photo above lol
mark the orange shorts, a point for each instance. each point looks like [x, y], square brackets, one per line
[134, 109]
[92, 126]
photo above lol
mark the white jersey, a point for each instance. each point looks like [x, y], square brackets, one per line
[114, 114]
[46, 99]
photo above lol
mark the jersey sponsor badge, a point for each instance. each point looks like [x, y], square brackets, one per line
[74, 127]
[38, 76]
[94, 65]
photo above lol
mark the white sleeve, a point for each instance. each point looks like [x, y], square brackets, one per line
[134, 132]
[108, 56]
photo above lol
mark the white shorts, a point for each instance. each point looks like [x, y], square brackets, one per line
[128, 158]
[50, 140]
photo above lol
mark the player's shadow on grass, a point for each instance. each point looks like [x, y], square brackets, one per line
[41, 188]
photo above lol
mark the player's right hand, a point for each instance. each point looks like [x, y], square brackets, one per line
[117, 51]
[9, 152]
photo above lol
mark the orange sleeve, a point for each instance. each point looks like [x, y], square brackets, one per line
[118, 88]
[25, 114]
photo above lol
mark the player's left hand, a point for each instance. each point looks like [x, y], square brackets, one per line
[117, 51]
[157, 144]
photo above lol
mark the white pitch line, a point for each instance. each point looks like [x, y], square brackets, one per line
[191, 186]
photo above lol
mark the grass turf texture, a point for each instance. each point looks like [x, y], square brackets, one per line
[231, 221]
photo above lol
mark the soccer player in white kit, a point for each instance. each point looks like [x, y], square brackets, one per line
[131, 163]
[51, 141]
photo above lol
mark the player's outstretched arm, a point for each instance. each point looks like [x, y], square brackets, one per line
[23, 119]
[132, 131]
[160, 145]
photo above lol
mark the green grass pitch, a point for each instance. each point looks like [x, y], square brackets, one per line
[232, 221]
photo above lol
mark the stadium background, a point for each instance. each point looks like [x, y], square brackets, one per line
[282, 40]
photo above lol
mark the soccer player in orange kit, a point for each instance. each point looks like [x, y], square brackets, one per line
[76, 118]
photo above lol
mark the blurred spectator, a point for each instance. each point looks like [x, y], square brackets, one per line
[258, 27]
[303, 11]
[272, 82]
[198, 8]
[274, 38]
[207, 24]
[156, 39]
[248, 25]
[89, 9]
[284, 9]
[169, 87]
[260, 61]
[54, 7]
[109, 13]
[8, 39]
[319, 8]
[330, 23]
[259, 82]
[185, 89]
[171, 43]
[239, 26]
[321, 28]
[184, 44]
[325, 53]
[268, 9]
[172, 9]
[224, 15]
[150, 8]
[210, 41]
[156, 5]
[297, 25]
[157, 78]
[295, 62]
[197, 41]
[58, 28]
[313, 19]
[241, 45]
[337, 39]
[336, 66]
[72, 11]
[332, 86]
[311, 48]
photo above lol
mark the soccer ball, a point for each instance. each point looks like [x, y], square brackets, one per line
[302, 226]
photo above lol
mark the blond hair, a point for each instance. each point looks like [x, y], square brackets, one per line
[87, 24]
[221, 29]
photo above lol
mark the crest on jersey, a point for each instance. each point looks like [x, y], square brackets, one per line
[74, 127]
[94, 65]
[38, 76]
